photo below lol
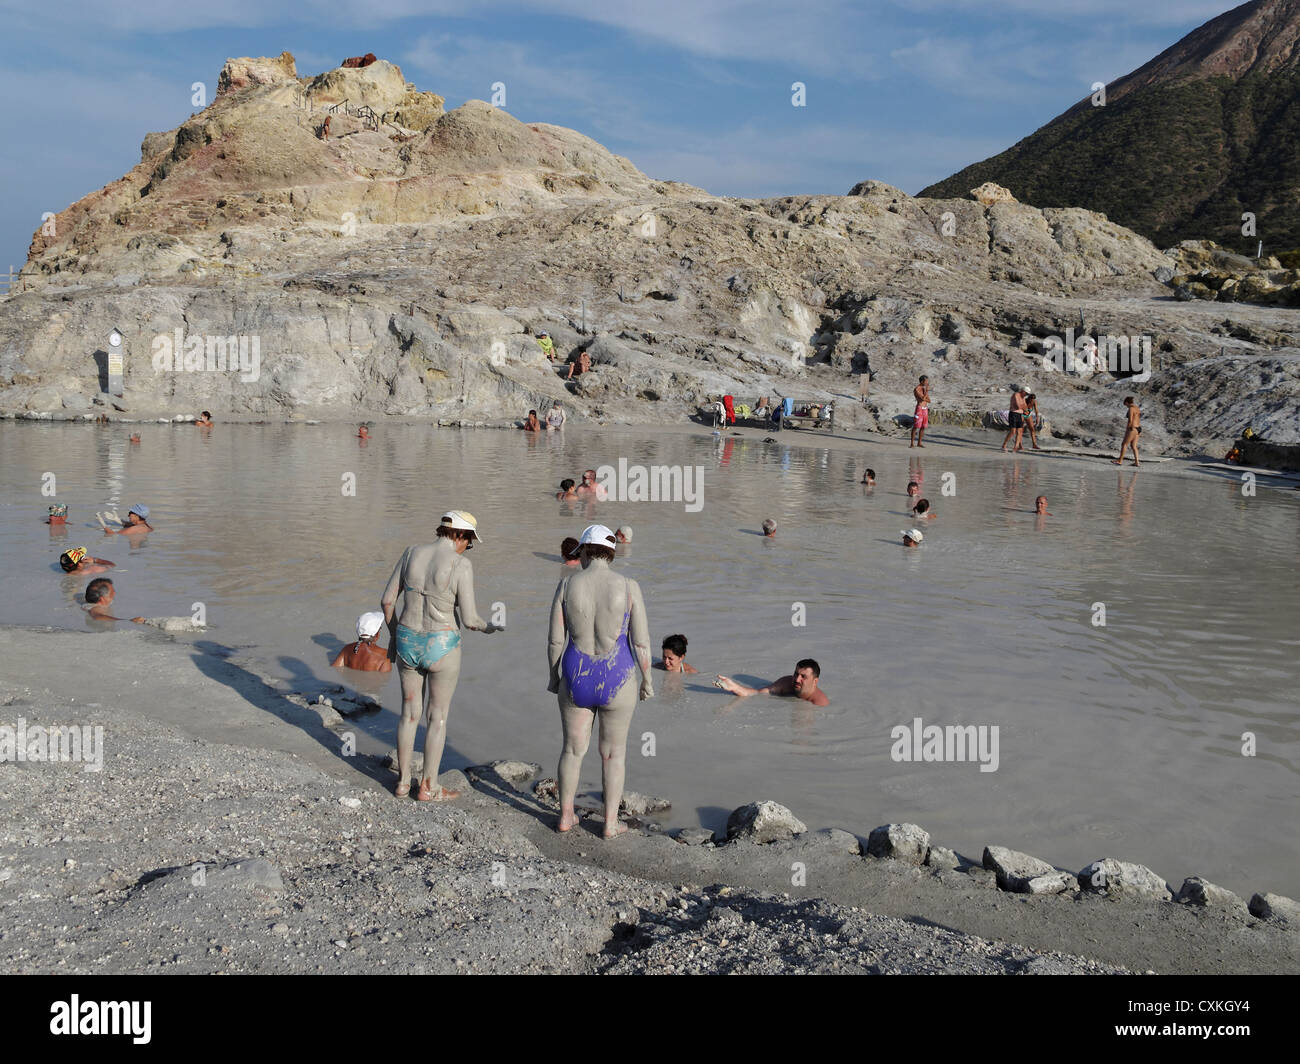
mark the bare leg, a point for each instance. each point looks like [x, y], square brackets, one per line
[439, 685]
[615, 722]
[412, 680]
[1010, 433]
[577, 737]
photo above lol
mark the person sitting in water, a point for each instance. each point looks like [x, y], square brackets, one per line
[674, 655]
[556, 418]
[100, 594]
[566, 489]
[363, 433]
[365, 654]
[58, 514]
[869, 477]
[922, 509]
[78, 560]
[623, 534]
[569, 551]
[803, 683]
[912, 537]
[136, 523]
[135, 438]
[769, 529]
[531, 424]
[589, 486]
[204, 420]
[1040, 506]
[913, 489]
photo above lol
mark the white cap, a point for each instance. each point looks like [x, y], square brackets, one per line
[368, 624]
[464, 520]
[914, 534]
[598, 535]
[626, 532]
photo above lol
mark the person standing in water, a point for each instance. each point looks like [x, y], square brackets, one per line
[429, 583]
[921, 415]
[1016, 420]
[599, 642]
[1132, 429]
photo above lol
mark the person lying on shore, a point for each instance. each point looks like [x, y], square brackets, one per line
[803, 683]
[365, 655]
[100, 594]
[1040, 506]
[78, 560]
[674, 655]
[136, 523]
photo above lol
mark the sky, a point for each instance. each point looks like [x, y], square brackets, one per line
[903, 92]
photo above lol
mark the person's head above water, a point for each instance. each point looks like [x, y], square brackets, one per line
[100, 590]
[869, 477]
[674, 650]
[807, 674]
[922, 506]
[460, 525]
[569, 549]
[138, 511]
[769, 527]
[597, 542]
[1040, 504]
[369, 624]
[623, 533]
[566, 484]
[71, 558]
[912, 537]
[913, 488]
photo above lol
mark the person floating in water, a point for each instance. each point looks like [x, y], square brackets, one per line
[136, 523]
[803, 683]
[868, 477]
[429, 584]
[599, 657]
[674, 655]
[78, 560]
[569, 551]
[769, 529]
[1040, 506]
[1132, 430]
[912, 537]
[365, 654]
[623, 534]
[100, 594]
[204, 420]
[921, 416]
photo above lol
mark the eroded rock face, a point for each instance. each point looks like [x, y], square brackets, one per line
[988, 194]
[247, 71]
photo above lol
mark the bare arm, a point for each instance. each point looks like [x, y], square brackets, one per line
[640, 632]
[555, 642]
[389, 604]
[465, 599]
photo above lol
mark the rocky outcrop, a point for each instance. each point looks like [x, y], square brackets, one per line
[1122, 878]
[989, 193]
[764, 822]
[247, 72]
[901, 842]
[1021, 874]
[1275, 907]
[1198, 891]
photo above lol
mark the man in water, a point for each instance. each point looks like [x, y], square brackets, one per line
[1132, 429]
[363, 433]
[913, 490]
[365, 654]
[589, 485]
[912, 537]
[137, 522]
[803, 684]
[769, 529]
[100, 594]
[674, 659]
[1040, 506]
[623, 534]
[1016, 419]
[204, 420]
[920, 416]
[78, 560]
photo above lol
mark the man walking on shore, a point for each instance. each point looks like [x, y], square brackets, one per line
[921, 415]
[1016, 418]
[1132, 429]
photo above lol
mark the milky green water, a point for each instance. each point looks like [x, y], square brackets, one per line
[1123, 740]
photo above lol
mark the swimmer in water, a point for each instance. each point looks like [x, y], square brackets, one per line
[913, 489]
[803, 683]
[769, 529]
[599, 654]
[674, 655]
[100, 594]
[363, 432]
[566, 489]
[569, 552]
[135, 437]
[922, 509]
[912, 537]
[589, 486]
[136, 523]
[623, 534]
[78, 560]
[429, 584]
[365, 655]
[869, 477]
[204, 420]
[1040, 506]
[58, 514]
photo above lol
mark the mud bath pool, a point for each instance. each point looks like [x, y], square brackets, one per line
[1124, 740]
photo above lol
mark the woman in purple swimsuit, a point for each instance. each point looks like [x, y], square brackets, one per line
[599, 656]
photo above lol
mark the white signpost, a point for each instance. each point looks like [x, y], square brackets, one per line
[115, 363]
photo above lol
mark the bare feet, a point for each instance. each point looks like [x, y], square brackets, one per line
[427, 793]
[402, 789]
[1117, 461]
[568, 821]
[614, 830]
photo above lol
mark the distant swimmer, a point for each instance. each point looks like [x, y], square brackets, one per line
[1132, 430]
[922, 509]
[569, 551]
[1040, 506]
[912, 537]
[365, 654]
[566, 489]
[803, 684]
[674, 655]
[769, 529]
[589, 486]
[204, 420]
[430, 583]
[136, 523]
[58, 514]
[921, 415]
[623, 534]
[100, 594]
[78, 560]
[599, 657]
[135, 438]
[868, 477]
[556, 418]
[913, 490]
[363, 432]
[531, 424]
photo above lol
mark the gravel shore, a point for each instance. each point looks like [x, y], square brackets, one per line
[225, 833]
